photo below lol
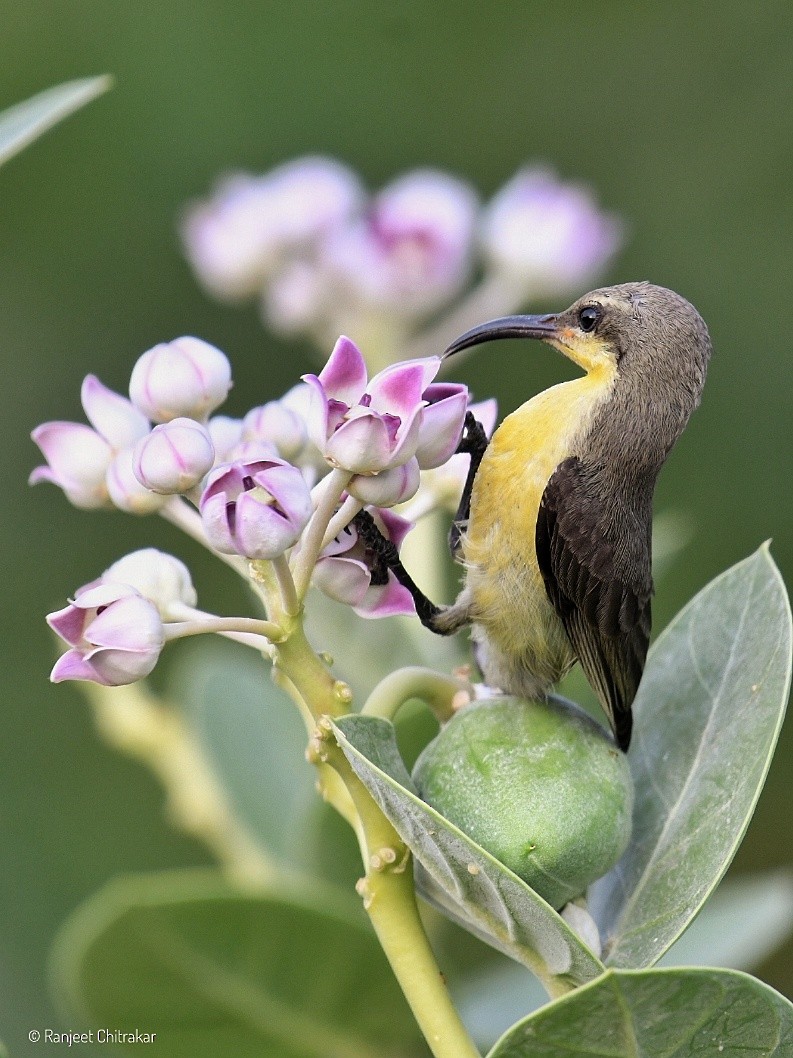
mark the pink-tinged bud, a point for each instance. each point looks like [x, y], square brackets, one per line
[112, 416]
[412, 252]
[126, 492]
[186, 377]
[389, 487]
[346, 571]
[366, 428]
[238, 237]
[114, 633]
[442, 423]
[174, 457]
[277, 424]
[256, 509]
[226, 433]
[159, 577]
[546, 235]
[77, 459]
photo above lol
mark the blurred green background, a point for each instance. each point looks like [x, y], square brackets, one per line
[678, 114]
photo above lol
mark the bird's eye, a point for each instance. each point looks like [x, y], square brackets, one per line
[589, 318]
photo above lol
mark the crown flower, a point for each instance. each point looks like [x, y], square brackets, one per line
[368, 426]
[257, 509]
[115, 635]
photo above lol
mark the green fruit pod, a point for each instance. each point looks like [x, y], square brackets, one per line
[538, 784]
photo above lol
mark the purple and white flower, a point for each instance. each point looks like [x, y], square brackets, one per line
[348, 572]
[174, 457]
[545, 235]
[368, 426]
[186, 377]
[78, 457]
[115, 636]
[257, 509]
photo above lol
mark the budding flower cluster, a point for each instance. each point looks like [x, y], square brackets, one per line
[265, 487]
[323, 256]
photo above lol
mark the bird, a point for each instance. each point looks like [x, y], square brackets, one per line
[555, 521]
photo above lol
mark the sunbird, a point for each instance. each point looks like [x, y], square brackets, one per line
[555, 521]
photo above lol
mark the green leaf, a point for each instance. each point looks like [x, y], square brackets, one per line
[708, 714]
[658, 1014]
[25, 122]
[457, 875]
[288, 972]
[744, 921]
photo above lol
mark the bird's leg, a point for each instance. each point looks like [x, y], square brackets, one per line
[386, 557]
[474, 442]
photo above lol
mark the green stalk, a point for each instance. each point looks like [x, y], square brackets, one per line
[390, 901]
[441, 693]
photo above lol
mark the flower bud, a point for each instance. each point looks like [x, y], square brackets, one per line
[185, 377]
[158, 576]
[77, 461]
[125, 491]
[115, 636]
[174, 457]
[256, 509]
[279, 425]
[539, 785]
[389, 487]
[226, 433]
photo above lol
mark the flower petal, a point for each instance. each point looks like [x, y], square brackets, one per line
[344, 579]
[386, 600]
[344, 376]
[441, 426]
[361, 445]
[114, 417]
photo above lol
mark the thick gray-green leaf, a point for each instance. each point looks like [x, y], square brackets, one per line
[252, 735]
[708, 715]
[689, 1013]
[254, 741]
[458, 875]
[743, 923]
[25, 122]
[288, 972]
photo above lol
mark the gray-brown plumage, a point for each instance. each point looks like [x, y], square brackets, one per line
[554, 528]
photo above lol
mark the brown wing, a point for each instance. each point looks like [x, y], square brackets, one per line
[594, 556]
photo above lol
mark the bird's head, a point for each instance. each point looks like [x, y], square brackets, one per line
[634, 330]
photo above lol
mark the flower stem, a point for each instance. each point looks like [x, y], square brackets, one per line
[390, 901]
[331, 489]
[249, 625]
[441, 693]
[341, 519]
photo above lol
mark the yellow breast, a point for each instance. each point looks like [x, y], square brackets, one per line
[508, 600]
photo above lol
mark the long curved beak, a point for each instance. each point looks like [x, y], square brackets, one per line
[542, 327]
